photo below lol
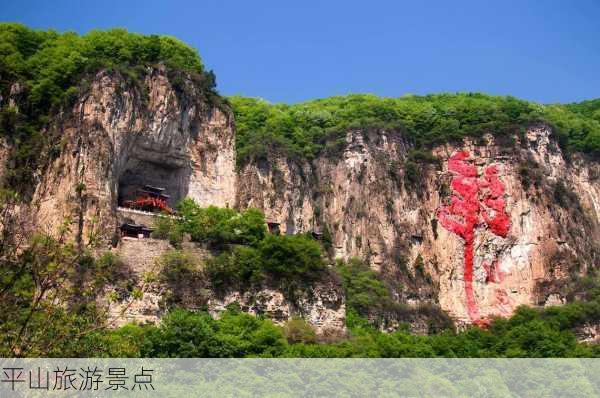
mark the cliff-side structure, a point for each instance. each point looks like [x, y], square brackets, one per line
[119, 137]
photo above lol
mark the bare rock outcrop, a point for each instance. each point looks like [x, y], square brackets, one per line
[372, 206]
[120, 136]
[483, 226]
[322, 304]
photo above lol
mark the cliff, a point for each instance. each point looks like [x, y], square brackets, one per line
[119, 137]
[373, 208]
[322, 305]
[477, 227]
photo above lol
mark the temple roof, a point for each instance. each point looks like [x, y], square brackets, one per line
[135, 228]
[155, 193]
[153, 188]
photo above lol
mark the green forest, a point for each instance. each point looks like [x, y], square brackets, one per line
[307, 129]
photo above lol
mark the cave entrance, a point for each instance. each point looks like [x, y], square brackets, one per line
[152, 187]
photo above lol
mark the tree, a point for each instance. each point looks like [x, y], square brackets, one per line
[297, 330]
[182, 334]
[291, 257]
[219, 226]
[365, 292]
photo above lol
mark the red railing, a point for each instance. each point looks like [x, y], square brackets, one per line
[147, 203]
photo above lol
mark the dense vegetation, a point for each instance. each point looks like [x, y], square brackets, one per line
[590, 108]
[216, 226]
[529, 333]
[39, 273]
[51, 69]
[293, 261]
[249, 256]
[308, 128]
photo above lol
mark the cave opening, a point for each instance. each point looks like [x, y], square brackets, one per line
[145, 179]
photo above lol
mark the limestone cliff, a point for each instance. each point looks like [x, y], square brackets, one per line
[479, 228]
[120, 136]
[322, 305]
[373, 209]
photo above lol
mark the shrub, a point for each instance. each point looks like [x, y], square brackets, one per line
[295, 257]
[185, 334]
[107, 266]
[422, 156]
[530, 174]
[565, 197]
[286, 259]
[412, 175]
[327, 240]
[177, 265]
[365, 292]
[222, 271]
[248, 227]
[221, 225]
[166, 227]
[297, 330]
[419, 266]
[247, 335]
[137, 294]
[238, 268]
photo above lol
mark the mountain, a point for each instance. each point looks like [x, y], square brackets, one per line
[461, 207]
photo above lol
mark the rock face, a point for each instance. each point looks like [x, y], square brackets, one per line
[481, 228]
[120, 137]
[535, 216]
[4, 151]
[323, 305]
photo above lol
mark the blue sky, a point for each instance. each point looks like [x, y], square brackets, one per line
[289, 51]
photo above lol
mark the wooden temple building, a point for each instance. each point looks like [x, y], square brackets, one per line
[151, 199]
[135, 230]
